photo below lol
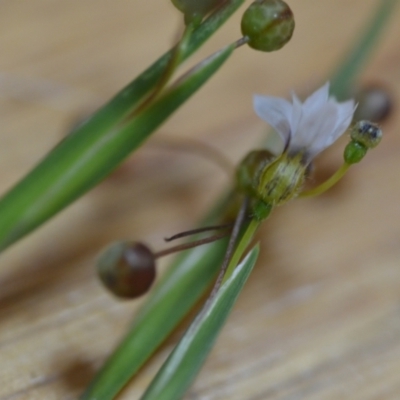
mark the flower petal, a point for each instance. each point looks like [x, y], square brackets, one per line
[343, 121]
[308, 127]
[318, 98]
[297, 113]
[276, 112]
[324, 135]
[314, 130]
[345, 111]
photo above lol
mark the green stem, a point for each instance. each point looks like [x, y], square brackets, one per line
[328, 183]
[343, 80]
[241, 247]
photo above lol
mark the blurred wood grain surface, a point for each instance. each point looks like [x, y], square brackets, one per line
[320, 316]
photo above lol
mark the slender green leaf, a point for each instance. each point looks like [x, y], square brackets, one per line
[185, 361]
[76, 165]
[56, 181]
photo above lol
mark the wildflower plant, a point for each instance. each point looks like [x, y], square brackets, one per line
[263, 181]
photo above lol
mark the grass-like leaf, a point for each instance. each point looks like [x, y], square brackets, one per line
[94, 149]
[79, 162]
[343, 80]
[183, 364]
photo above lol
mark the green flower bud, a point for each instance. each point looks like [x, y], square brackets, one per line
[127, 269]
[354, 152]
[268, 24]
[195, 9]
[366, 133]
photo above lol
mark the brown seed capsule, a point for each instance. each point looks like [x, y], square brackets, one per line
[127, 269]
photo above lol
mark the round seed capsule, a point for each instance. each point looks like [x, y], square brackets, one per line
[127, 269]
[268, 24]
[366, 133]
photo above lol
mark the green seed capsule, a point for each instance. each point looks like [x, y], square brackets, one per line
[268, 24]
[127, 269]
[366, 133]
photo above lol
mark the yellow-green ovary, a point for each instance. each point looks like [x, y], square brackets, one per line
[281, 180]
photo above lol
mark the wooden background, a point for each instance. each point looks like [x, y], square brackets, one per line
[320, 315]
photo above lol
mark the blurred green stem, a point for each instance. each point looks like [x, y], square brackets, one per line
[343, 80]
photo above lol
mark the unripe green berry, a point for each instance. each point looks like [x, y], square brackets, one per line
[366, 133]
[354, 152]
[268, 24]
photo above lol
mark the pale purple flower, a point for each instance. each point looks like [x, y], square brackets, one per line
[309, 127]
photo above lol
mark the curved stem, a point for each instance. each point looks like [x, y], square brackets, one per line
[328, 183]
